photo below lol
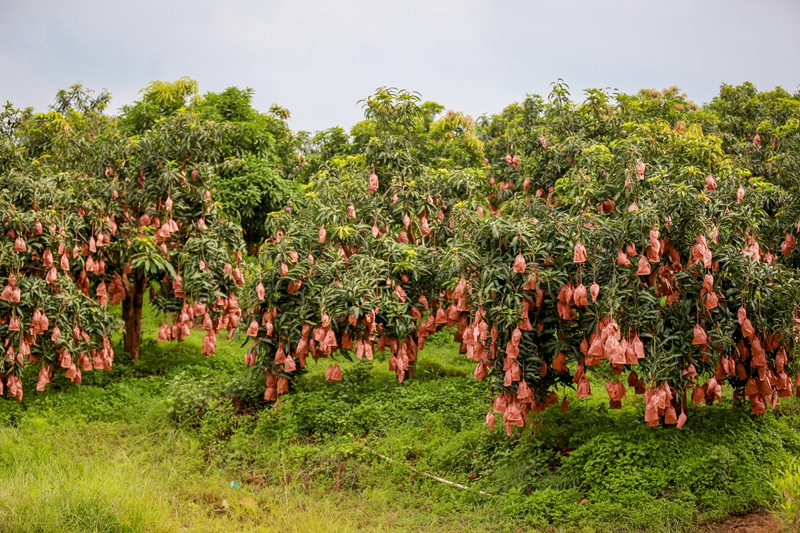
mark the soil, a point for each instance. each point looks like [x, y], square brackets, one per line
[752, 523]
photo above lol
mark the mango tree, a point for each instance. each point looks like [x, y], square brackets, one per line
[354, 266]
[152, 190]
[646, 251]
[48, 255]
[624, 247]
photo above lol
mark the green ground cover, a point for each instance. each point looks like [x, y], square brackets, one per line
[155, 445]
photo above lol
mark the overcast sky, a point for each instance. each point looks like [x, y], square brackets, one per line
[319, 58]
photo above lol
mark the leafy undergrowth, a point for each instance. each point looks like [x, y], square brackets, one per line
[155, 444]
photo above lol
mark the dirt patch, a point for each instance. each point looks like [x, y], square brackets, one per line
[752, 523]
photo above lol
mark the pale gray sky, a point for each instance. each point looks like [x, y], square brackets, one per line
[318, 58]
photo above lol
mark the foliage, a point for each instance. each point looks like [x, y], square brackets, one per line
[613, 237]
[257, 160]
[253, 157]
[250, 188]
[160, 99]
[46, 311]
[400, 132]
[94, 215]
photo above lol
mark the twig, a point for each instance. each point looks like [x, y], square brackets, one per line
[436, 478]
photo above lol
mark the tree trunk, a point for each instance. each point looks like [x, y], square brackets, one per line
[679, 404]
[132, 314]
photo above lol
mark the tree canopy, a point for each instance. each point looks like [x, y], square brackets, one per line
[644, 238]
[640, 237]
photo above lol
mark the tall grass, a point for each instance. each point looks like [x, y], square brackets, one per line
[81, 477]
[109, 477]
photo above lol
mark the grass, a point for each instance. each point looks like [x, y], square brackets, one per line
[153, 481]
[155, 445]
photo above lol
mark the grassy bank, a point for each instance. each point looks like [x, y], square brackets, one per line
[158, 445]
